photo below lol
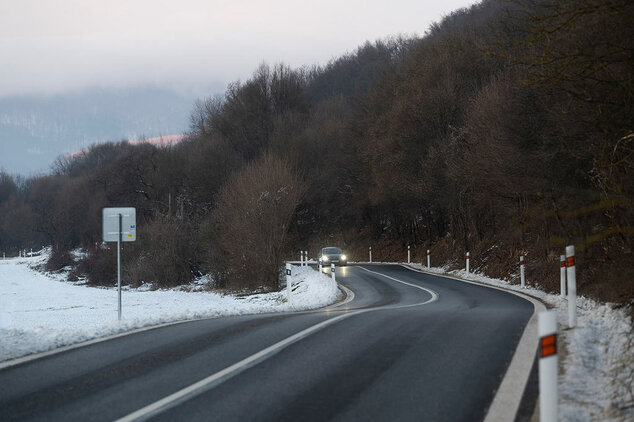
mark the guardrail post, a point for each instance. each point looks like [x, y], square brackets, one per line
[562, 275]
[523, 281]
[408, 255]
[332, 272]
[428, 259]
[288, 282]
[572, 286]
[548, 366]
[370, 250]
[467, 262]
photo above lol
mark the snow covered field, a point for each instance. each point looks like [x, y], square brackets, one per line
[39, 312]
[596, 375]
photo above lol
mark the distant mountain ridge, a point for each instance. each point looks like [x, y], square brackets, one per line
[35, 130]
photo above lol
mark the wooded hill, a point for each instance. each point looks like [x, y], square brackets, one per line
[506, 130]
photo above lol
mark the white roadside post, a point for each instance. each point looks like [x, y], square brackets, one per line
[288, 282]
[562, 275]
[523, 280]
[332, 272]
[370, 250]
[119, 263]
[428, 259]
[301, 258]
[306, 258]
[548, 366]
[467, 262]
[408, 255]
[119, 225]
[572, 286]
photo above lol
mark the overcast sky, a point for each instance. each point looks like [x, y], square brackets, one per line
[59, 45]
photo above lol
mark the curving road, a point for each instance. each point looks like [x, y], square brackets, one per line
[409, 346]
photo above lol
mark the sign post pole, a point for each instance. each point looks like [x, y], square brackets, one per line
[119, 264]
[119, 225]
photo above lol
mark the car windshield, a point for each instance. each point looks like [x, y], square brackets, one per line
[333, 251]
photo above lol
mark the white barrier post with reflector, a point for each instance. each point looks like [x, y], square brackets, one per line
[428, 259]
[288, 282]
[562, 275]
[523, 280]
[301, 258]
[332, 272]
[408, 255]
[305, 258]
[467, 262]
[548, 366]
[572, 286]
[370, 250]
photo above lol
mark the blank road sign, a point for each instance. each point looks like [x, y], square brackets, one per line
[111, 224]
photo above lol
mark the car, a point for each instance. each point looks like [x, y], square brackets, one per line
[332, 255]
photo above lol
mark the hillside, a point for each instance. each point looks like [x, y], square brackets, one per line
[505, 131]
[36, 129]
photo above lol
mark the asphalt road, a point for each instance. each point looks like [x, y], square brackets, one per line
[410, 346]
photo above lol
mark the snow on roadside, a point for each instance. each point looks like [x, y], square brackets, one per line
[597, 381]
[40, 312]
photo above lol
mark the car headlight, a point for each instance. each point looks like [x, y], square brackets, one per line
[343, 258]
[325, 258]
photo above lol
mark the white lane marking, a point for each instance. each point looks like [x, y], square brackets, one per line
[508, 397]
[434, 295]
[229, 372]
[349, 298]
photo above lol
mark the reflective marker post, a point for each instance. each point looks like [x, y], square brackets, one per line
[562, 275]
[370, 250]
[523, 282]
[408, 255]
[428, 259]
[332, 272]
[548, 366]
[288, 282]
[572, 286]
[119, 264]
[467, 262]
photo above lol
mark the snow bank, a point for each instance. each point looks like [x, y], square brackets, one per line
[40, 312]
[596, 380]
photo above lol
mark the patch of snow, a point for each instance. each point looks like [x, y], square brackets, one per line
[597, 380]
[40, 312]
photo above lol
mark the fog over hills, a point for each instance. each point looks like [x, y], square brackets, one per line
[36, 129]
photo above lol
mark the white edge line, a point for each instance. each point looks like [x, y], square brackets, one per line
[221, 376]
[434, 295]
[349, 298]
[24, 359]
[39, 355]
[230, 371]
[509, 395]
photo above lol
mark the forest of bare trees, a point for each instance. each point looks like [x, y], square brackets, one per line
[506, 130]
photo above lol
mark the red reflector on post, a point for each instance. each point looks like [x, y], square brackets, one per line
[548, 345]
[571, 261]
[522, 262]
[563, 263]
